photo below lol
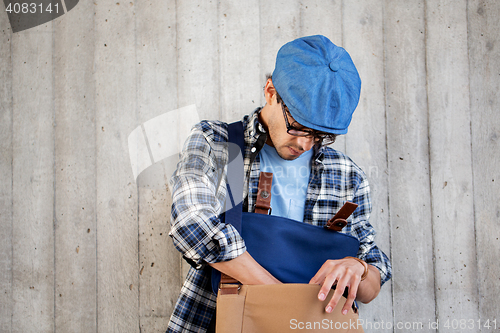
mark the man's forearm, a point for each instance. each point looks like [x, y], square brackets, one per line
[246, 270]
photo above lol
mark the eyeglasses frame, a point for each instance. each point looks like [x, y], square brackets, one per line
[319, 137]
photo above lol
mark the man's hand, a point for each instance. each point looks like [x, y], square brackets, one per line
[346, 273]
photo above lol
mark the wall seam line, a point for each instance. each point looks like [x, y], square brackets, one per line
[387, 153]
[431, 202]
[11, 184]
[181, 282]
[96, 173]
[54, 173]
[137, 117]
[471, 132]
[219, 79]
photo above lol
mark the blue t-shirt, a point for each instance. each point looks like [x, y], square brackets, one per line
[290, 181]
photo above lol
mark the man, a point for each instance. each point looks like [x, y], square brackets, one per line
[310, 99]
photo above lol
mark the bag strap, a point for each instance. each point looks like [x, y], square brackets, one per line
[235, 135]
[233, 216]
[263, 203]
[339, 221]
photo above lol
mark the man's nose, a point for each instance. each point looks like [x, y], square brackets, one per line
[305, 142]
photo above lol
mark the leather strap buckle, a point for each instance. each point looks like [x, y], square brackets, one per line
[229, 289]
[228, 285]
[339, 221]
[263, 203]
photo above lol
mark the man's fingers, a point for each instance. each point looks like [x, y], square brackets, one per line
[344, 273]
[339, 290]
[353, 290]
[326, 286]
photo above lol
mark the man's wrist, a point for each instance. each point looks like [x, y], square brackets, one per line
[365, 266]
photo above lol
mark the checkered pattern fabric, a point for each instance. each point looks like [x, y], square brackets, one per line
[199, 190]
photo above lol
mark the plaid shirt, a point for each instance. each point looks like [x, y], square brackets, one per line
[199, 191]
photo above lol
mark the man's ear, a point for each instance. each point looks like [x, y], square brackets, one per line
[270, 92]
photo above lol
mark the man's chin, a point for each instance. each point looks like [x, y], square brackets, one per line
[288, 154]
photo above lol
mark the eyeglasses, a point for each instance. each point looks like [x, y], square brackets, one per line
[320, 138]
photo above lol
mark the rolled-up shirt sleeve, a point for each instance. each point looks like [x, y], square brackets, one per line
[198, 193]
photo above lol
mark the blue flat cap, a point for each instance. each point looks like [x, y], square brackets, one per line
[318, 82]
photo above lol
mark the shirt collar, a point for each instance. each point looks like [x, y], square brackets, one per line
[254, 129]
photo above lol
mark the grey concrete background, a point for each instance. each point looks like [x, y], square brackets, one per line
[84, 247]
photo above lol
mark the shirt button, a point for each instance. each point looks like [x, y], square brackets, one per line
[253, 149]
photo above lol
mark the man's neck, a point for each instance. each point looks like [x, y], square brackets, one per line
[263, 116]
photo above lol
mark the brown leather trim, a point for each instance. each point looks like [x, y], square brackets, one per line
[339, 220]
[229, 289]
[263, 203]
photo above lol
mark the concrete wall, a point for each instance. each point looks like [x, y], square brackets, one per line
[84, 245]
